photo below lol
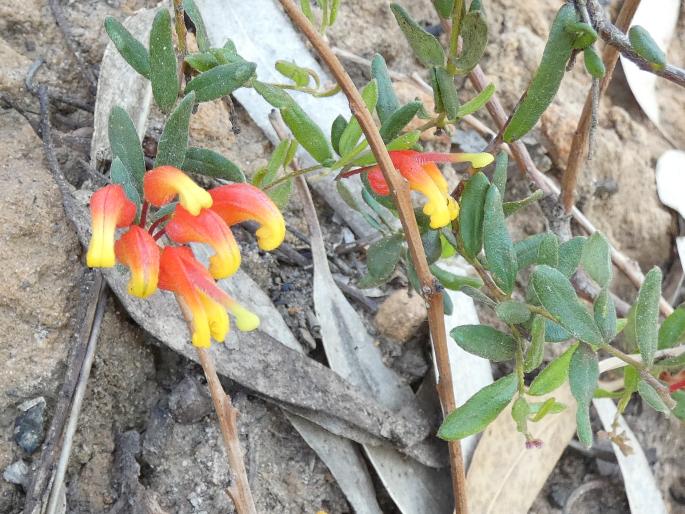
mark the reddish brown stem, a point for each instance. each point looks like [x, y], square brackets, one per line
[579, 144]
[157, 223]
[240, 488]
[400, 193]
[159, 235]
[143, 214]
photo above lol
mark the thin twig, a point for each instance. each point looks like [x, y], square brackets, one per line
[63, 25]
[400, 193]
[79, 394]
[579, 145]
[615, 36]
[54, 95]
[240, 489]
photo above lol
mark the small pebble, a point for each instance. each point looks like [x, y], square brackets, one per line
[189, 401]
[28, 426]
[17, 473]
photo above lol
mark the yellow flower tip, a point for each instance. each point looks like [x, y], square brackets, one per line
[479, 160]
[270, 237]
[217, 318]
[453, 207]
[193, 198]
[201, 340]
[138, 286]
[99, 256]
[244, 319]
[223, 266]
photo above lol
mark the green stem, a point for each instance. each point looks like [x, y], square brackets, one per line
[535, 309]
[519, 359]
[457, 16]
[289, 176]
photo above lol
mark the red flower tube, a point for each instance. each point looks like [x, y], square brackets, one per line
[207, 227]
[110, 209]
[236, 203]
[139, 251]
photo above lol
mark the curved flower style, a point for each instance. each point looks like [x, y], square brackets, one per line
[110, 209]
[161, 185]
[207, 227]
[420, 170]
[236, 203]
[139, 251]
[203, 303]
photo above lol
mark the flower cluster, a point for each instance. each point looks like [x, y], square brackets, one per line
[199, 217]
[423, 175]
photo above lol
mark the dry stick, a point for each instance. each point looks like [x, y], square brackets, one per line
[615, 36]
[400, 192]
[63, 25]
[43, 472]
[240, 489]
[79, 394]
[525, 163]
[579, 144]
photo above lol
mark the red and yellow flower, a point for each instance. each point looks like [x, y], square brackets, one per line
[423, 175]
[175, 268]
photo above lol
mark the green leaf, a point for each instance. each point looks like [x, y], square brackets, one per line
[643, 318]
[120, 174]
[527, 250]
[307, 133]
[479, 410]
[274, 95]
[485, 342]
[556, 294]
[596, 259]
[280, 194]
[211, 164]
[593, 63]
[477, 101]
[515, 206]
[353, 131]
[471, 213]
[351, 201]
[449, 99]
[202, 62]
[541, 409]
[583, 374]
[444, 8]
[548, 251]
[300, 76]
[512, 312]
[125, 144]
[646, 47]
[426, 47]
[474, 33]
[276, 162]
[337, 129]
[555, 333]
[220, 81]
[649, 394]
[452, 281]
[605, 315]
[553, 375]
[547, 79]
[173, 143]
[163, 73]
[382, 256]
[306, 7]
[582, 33]
[128, 46]
[499, 250]
[191, 9]
[535, 351]
[431, 245]
[499, 177]
[519, 412]
[672, 330]
[447, 305]
[570, 253]
[399, 119]
[387, 99]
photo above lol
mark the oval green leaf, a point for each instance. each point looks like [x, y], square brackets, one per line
[163, 73]
[471, 213]
[129, 47]
[211, 164]
[499, 250]
[172, 146]
[553, 375]
[123, 139]
[485, 342]
[220, 80]
[426, 47]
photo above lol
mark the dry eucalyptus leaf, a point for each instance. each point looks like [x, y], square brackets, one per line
[641, 488]
[121, 85]
[504, 475]
[670, 180]
[659, 17]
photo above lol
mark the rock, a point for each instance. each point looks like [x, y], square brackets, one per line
[400, 315]
[189, 401]
[29, 426]
[677, 490]
[17, 473]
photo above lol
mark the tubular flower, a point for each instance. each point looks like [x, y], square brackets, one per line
[161, 185]
[203, 303]
[420, 170]
[110, 209]
[236, 203]
[139, 251]
[207, 227]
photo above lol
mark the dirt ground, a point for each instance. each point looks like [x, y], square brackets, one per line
[137, 384]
